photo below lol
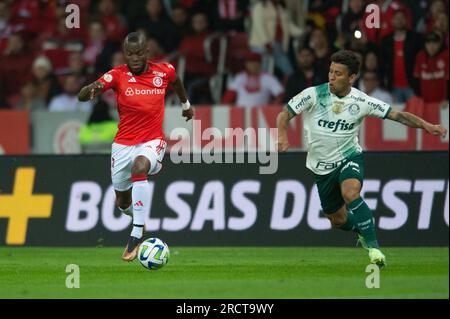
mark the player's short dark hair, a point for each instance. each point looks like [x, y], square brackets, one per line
[134, 37]
[349, 59]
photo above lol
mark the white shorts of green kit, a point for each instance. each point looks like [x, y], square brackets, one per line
[123, 156]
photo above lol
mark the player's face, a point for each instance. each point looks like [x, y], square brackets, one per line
[136, 56]
[339, 79]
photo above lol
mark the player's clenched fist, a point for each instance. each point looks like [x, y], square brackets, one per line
[436, 130]
[95, 89]
[90, 91]
[282, 145]
[188, 114]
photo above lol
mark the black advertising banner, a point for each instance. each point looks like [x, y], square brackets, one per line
[69, 201]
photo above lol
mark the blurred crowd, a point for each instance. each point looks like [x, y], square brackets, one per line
[238, 52]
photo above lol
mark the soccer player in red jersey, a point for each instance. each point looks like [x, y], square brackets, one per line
[139, 145]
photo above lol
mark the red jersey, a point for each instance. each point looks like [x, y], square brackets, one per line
[400, 78]
[140, 101]
[387, 12]
[433, 75]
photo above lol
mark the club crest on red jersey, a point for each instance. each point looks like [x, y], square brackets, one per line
[157, 81]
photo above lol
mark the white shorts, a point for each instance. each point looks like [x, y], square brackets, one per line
[122, 158]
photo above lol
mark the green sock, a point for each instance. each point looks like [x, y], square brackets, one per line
[363, 220]
[350, 224]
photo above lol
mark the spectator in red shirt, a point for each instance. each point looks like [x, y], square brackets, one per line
[432, 69]
[28, 12]
[229, 15]
[158, 25]
[440, 26]
[60, 44]
[180, 19]
[14, 68]
[425, 24]
[98, 50]
[115, 25]
[388, 8]
[399, 50]
[198, 69]
[8, 24]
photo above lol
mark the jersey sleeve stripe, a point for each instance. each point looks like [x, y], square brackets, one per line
[291, 110]
[387, 112]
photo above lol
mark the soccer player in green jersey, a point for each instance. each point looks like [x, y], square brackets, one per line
[332, 114]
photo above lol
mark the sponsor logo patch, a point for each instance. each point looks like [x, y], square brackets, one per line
[108, 77]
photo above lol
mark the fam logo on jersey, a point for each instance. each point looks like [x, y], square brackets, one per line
[353, 109]
[157, 81]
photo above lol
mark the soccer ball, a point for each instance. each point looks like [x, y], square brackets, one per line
[153, 253]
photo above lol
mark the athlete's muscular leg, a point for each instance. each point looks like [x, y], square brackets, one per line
[140, 194]
[123, 199]
[350, 189]
[338, 218]
[141, 165]
[363, 217]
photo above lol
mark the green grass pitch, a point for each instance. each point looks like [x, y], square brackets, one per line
[226, 272]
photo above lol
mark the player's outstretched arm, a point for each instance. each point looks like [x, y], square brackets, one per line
[90, 91]
[283, 119]
[412, 120]
[179, 89]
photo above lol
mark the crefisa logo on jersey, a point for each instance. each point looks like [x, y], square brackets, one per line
[376, 106]
[353, 109]
[157, 81]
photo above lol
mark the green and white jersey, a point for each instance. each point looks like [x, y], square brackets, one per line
[331, 124]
